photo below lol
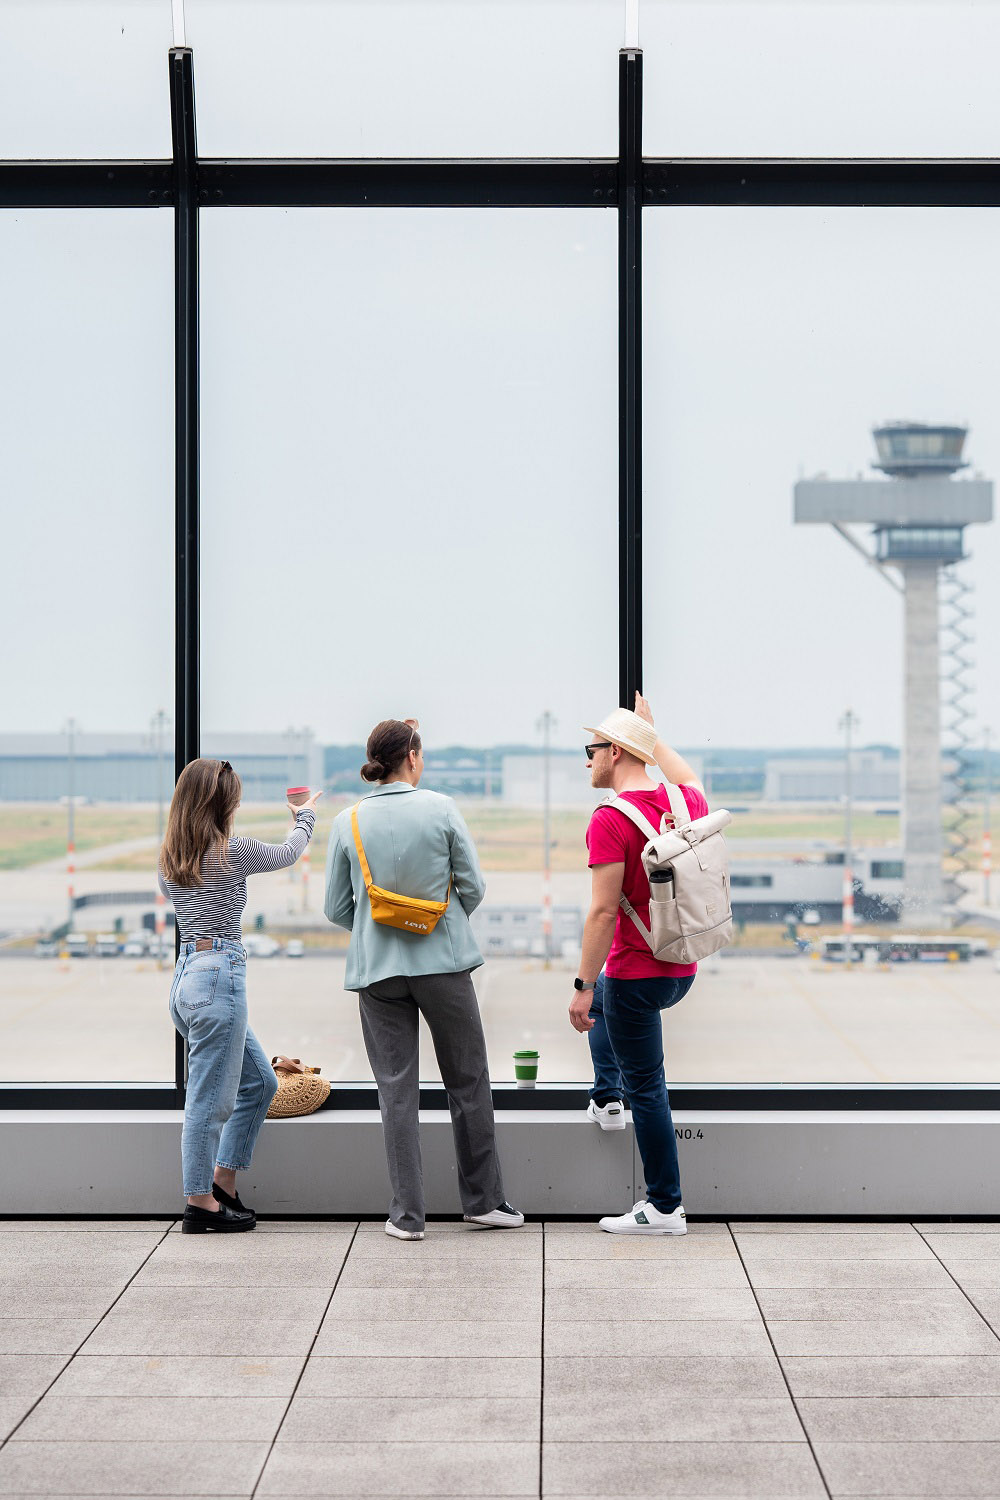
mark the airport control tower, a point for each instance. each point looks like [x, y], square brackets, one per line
[918, 515]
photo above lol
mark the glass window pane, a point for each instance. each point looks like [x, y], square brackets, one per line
[820, 77]
[361, 78]
[775, 341]
[87, 79]
[409, 465]
[86, 612]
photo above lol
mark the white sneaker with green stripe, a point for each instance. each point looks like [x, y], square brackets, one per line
[643, 1218]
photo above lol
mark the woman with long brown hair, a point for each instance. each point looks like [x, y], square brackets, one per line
[203, 871]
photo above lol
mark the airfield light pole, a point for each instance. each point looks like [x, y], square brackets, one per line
[70, 819]
[848, 724]
[160, 927]
[545, 724]
[305, 853]
[987, 831]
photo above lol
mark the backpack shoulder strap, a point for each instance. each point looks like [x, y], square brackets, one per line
[678, 805]
[634, 816]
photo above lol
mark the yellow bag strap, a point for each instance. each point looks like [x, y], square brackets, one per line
[366, 873]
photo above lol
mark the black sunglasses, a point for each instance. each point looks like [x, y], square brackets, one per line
[598, 745]
[225, 766]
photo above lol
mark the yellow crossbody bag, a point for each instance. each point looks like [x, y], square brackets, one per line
[408, 913]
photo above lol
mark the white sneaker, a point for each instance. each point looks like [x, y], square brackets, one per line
[503, 1217]
[608, 1116]
[402, 1234]
[645, 1219]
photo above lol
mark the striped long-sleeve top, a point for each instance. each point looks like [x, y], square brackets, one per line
[215, 908]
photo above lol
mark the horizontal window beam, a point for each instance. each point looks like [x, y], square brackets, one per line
[86, 184]
[834, 1097]
[851, 183]
[408, 184]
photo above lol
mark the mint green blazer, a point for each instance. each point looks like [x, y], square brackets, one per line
[414, 840]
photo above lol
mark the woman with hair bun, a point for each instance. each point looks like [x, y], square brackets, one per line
[403, 842]
[203, 871]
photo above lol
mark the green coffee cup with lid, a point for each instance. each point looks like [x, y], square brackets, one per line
[526, 1065]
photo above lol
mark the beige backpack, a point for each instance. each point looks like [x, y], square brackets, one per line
[690, 916]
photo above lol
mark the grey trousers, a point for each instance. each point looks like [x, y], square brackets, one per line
[390, 1012]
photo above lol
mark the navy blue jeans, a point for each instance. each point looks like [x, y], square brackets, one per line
[626, 1046]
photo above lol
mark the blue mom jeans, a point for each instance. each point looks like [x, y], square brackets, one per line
[230, 1081]
[626, 1045]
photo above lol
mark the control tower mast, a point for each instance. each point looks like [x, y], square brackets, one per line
[918, 521]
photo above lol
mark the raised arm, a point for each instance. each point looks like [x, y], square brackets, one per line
[673, 765]
[468, 877]
[253, 858]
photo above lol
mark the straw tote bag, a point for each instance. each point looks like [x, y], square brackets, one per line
[301, 1090]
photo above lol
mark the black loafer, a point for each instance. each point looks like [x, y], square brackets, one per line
[221, 1196]
[224, 1221]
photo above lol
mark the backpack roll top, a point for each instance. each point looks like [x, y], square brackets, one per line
[687, 866]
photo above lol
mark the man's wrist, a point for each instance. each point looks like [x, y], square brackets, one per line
[584, 984]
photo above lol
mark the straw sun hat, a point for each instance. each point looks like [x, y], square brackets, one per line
[622, 727]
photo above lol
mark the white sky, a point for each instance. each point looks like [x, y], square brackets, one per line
[409, 432]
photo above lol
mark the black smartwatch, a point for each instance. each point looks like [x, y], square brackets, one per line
[584, 984]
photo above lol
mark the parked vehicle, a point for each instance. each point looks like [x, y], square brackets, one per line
[295, 948]
[77, 945]
[134, 949]
[259, 945]
[107, 945]
[46, 948]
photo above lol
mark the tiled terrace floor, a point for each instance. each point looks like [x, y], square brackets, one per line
[746, 1360]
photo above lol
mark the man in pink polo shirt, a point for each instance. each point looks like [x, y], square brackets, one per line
[621, 988]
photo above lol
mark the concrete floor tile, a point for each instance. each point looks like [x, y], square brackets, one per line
[471, 1340]
[623, 1247]
[441, 1273]
[964, 1246]
[28, 1374]
[72, 1249]
[271, 1263]
[555, 1227]
[439, 1469]
[808, 1226]
[462, 1305]
[936, 1375]
[934, 1470]
[959, 1227]
[162, 1337]
[186, 1469]
[603, 1275]
[238, 1304]
[860, 1304]
[409, 1419]
[750, 1471]
[902, 1419]
[106, 1270]
[55, 1302]
[103, 1419]
[904, 1274]
[984, 1274]
[986, 1301]
[649, 1304]
[666, 1377]
[205, 1375]
[730, 1337]
[434, 1228]
[646, 1418]
[868, 1246]
[475, 1247]
[952, 1334]
[329, 1228]
[43, 1335]
[12, 1409]
[439, 1377]
[85, 1226]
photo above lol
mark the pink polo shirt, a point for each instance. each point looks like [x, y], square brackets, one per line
[612, 839]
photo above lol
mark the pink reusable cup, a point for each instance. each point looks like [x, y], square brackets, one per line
[298, 794]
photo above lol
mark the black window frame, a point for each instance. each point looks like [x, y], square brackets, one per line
[628, 183]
